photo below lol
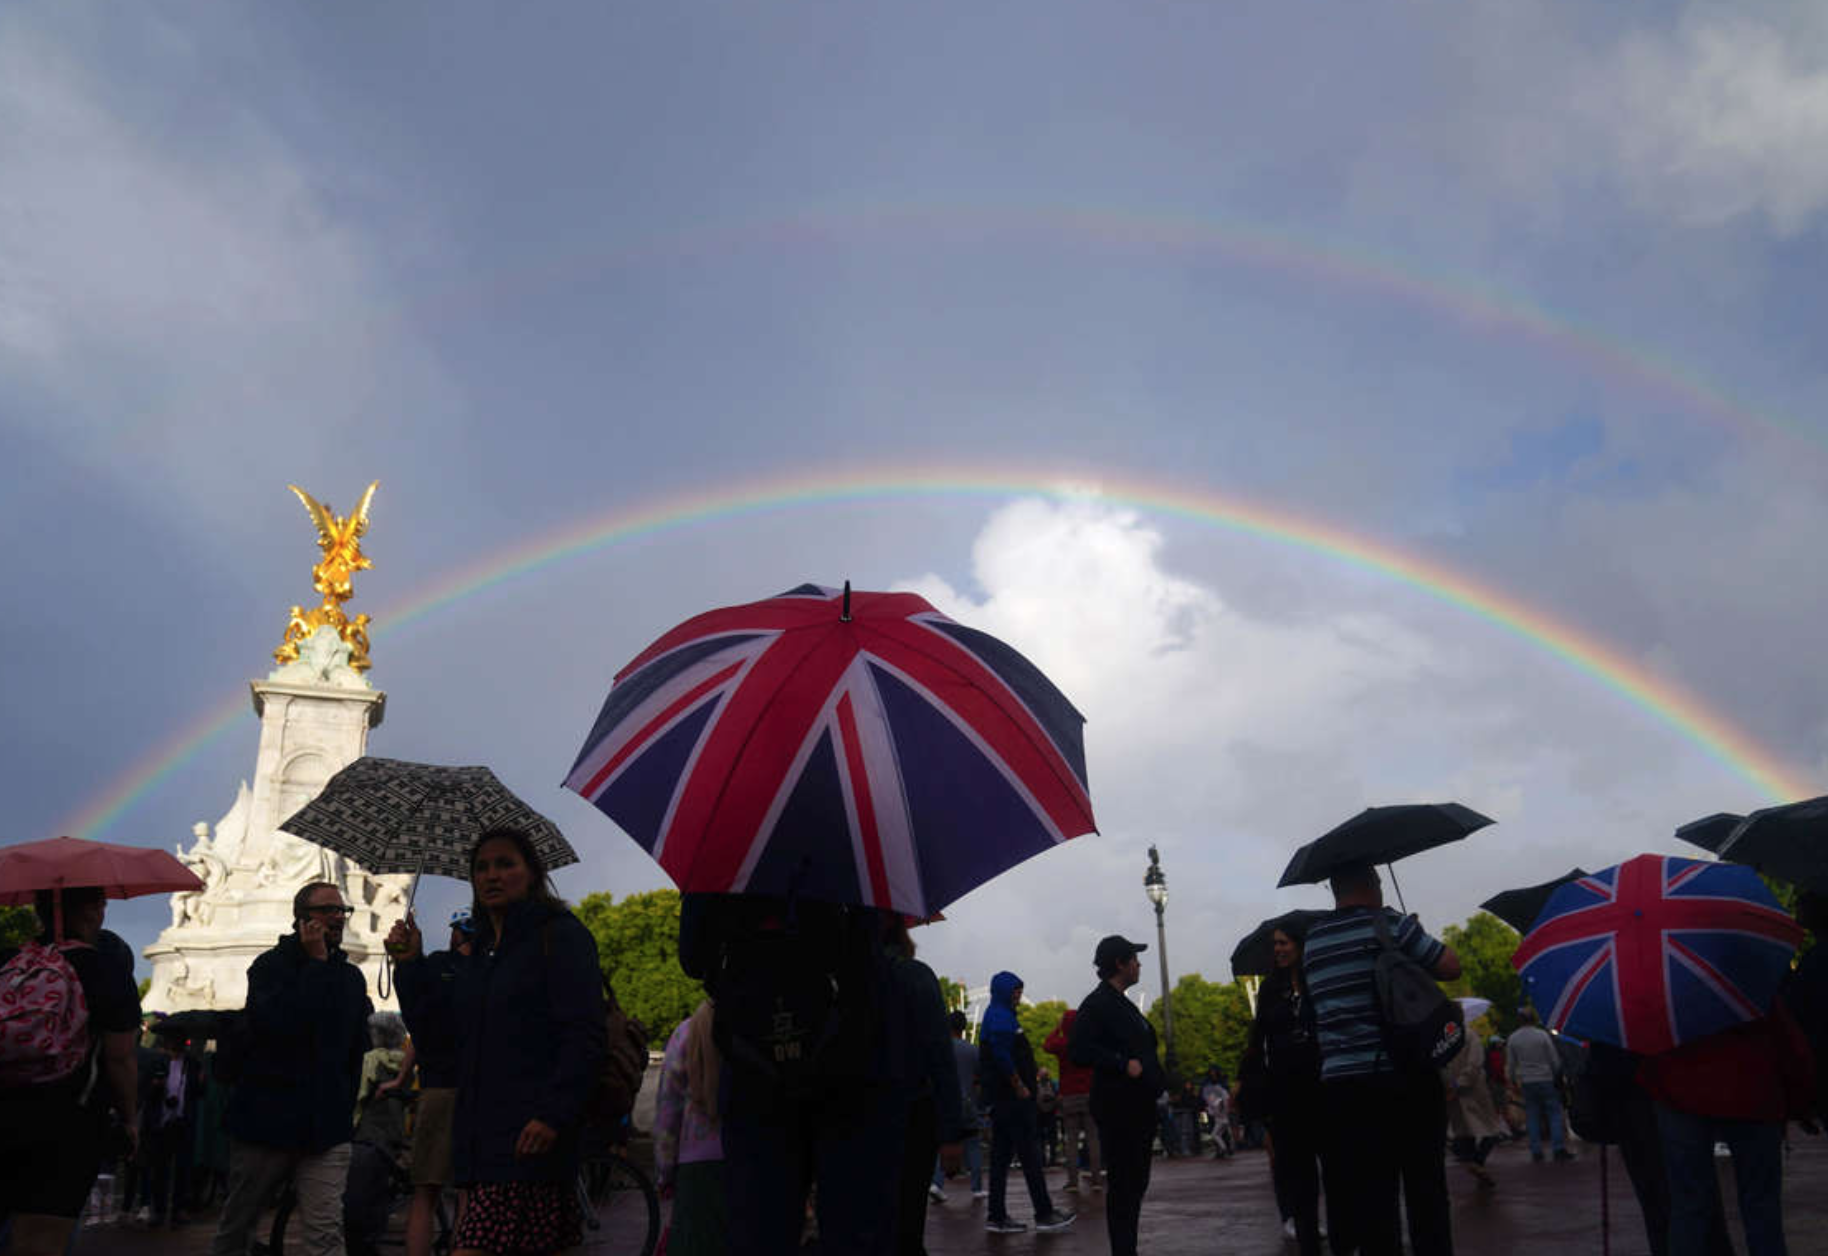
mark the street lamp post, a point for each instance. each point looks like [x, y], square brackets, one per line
[1155, 885]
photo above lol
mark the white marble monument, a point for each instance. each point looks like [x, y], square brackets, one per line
[315, 711]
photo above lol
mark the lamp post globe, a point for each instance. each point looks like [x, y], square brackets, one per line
[1155, 885]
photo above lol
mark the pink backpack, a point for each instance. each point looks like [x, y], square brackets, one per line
[44, 1017]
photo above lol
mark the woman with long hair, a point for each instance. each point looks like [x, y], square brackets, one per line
[1279, 1083]
[688, 1144]
[527, 1005]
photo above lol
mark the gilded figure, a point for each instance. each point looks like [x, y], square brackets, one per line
[340, 539]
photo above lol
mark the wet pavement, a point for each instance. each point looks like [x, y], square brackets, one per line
[1226, 1206]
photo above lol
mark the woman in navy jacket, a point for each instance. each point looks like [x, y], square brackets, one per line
[527, 1007]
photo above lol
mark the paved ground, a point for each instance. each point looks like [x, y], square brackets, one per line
[1205, 1206]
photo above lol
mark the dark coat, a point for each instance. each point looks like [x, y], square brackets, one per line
[307, 1022]
[1281, 1065]
[1107, 1034]
[427, 988]
[531, 1037]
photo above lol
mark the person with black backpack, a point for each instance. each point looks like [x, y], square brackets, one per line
[1385, 1107]
[813, 1090]
[69, 1019]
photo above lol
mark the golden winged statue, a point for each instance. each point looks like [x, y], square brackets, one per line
[340, 538]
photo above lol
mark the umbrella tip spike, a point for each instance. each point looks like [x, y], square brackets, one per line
[845, 615]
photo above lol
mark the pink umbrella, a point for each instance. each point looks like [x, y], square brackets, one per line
[67, 862]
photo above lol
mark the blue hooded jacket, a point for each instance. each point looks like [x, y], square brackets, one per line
[1003, 1049]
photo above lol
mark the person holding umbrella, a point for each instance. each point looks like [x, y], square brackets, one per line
[53, 1112]
[1366, 1093]
[531, 1037]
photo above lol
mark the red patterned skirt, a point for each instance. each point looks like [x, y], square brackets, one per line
[520, 1218]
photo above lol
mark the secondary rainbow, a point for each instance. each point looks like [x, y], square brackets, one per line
[1471, 302]
[1665, 700]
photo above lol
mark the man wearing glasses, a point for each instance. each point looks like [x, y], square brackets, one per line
[306, 1028]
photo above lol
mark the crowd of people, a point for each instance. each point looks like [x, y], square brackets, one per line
[823, 1089]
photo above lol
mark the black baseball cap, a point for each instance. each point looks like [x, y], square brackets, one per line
[1116, 949]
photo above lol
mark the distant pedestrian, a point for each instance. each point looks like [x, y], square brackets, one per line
[1047, 1105]
[1075, 1106]
[1111, 1037]
[1384, 1123]
[291, 1114]
[965, 1063]
[1215, 1098]
[531, 1037]
[427, 991]
[1007, 1066]
[1533, 1064]
[1472, 1119]
[688, 1145]
[54, 1100]
[1806, 994]
[1279, 1083]
[169, 1095]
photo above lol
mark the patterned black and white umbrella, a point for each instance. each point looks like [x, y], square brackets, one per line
[389, 815]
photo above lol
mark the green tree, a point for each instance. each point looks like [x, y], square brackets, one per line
[1038, 1021]
[145, 985]
[1211, 1024]
[638, 946]
[17, 925]
[953, 991]
[1485, 945]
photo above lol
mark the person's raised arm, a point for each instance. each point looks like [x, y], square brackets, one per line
[1447, 968]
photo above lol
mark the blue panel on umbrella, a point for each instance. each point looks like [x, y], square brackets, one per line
[1755, 965]
[1596, 1011]
[969, 823]
[631, 693]
[810, 851]
[637, 800]
[1698, 1009]
[1062, 722]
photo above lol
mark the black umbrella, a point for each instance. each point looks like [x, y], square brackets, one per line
[1381, 835]
[389, 815]
[1788, 842]
[1710, 831]
[1255, 956]
[1519, 908]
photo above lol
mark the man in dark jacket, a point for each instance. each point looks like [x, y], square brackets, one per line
[293, 1110]
[1007, 1066]
[1113, 1039]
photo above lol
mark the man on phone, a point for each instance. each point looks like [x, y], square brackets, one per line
[292, 1112]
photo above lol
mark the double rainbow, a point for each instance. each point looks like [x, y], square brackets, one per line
[1663, 699]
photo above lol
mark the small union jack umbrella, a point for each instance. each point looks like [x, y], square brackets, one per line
[860, 749]
[1657, 951]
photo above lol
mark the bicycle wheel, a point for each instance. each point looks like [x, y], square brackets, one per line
[621, 1206]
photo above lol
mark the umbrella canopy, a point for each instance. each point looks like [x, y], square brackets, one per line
[1519, 908]
[852, 748]
[1657, 951]
[68, 862]
[1255, 956]
[1709, 832]
[1789, 843]
[389, 815]
[1381, 835]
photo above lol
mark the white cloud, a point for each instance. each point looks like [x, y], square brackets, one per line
[1724, 116]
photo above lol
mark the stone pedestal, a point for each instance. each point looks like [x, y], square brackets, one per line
[314, 721]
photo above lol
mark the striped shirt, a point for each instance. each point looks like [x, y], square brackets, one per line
[1339, 964]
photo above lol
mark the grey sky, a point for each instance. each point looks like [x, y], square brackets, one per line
[530, 269]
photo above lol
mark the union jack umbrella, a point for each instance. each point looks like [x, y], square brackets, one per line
[1657, 951]
[859, 749]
